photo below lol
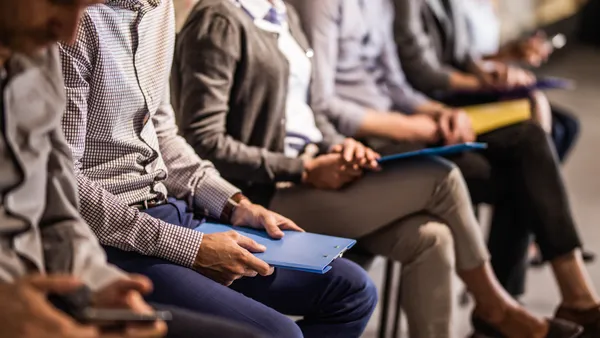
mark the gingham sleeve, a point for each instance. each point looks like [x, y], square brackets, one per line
[112, 220]
[190, 177]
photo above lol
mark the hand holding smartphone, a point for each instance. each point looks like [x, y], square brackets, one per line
[77, 304]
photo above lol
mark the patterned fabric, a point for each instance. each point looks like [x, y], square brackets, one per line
[122, 131]
[275, 17]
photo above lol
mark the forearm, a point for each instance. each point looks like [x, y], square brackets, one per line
[464, 81]
[432, 108]
[389, 125]
[118, 225]
[238, 161]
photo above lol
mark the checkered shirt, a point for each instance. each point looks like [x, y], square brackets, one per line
[122, 131]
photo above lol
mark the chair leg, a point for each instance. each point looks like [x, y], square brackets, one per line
[397, 312]
[385, 301]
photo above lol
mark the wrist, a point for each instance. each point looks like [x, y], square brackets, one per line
[309, 165]
[468, 81]
[233, 205]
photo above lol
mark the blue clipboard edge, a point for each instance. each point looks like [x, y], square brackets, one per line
[435, 151]
[290, 266]
[300, 267]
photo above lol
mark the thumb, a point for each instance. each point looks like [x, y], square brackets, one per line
[59, 284]
[136, 302]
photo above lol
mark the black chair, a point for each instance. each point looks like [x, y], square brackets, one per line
[365, 260]
[390, 270]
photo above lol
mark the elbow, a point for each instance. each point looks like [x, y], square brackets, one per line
[206, 145]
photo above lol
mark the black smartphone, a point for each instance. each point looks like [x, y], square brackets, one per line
[99, 316]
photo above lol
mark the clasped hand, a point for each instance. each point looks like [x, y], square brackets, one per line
[344, 164]
[455, 127]
[501, 75]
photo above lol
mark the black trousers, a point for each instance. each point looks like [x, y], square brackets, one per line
[565, 130]
[519, 175]
[187, 324]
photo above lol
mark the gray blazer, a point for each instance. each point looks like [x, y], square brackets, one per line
[41, 230]
[433, 39]
[229, 85]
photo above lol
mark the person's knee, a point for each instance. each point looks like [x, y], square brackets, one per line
[531, 135]
[282, 326]
[434, 244]
[571, 124]
[438, 168]
[359, 289]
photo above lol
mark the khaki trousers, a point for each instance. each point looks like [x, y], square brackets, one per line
[417, 212]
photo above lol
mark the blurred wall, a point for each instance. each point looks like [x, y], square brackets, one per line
[522, 16]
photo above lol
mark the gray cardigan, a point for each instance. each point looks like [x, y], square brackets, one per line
[229, 85]
[432, 41]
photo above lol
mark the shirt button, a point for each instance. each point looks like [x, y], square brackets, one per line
[160, 176]
[310, 53]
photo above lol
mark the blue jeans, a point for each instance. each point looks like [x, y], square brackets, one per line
[336, 304]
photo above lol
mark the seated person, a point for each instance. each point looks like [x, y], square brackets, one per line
[359, 84]
[242, 101]
[534, 50]
[143, 189]
[439, 51]
[45, 246]
[483, 26]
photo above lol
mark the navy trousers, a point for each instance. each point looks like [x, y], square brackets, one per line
[336, 304]
[188, 324]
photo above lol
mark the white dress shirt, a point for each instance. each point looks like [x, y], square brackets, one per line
[484, 26]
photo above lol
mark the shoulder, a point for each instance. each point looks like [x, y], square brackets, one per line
[206, 12]
[213, 23]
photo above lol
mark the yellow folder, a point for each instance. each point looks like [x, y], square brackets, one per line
[491, 116]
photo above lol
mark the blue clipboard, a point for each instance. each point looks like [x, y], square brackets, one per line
[301, 251]
[436, 151]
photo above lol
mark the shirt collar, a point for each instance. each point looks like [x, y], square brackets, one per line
[258, 9]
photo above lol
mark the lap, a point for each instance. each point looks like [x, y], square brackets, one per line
[260, 302]
[367, 205]
[189, 324]
[185, 288]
